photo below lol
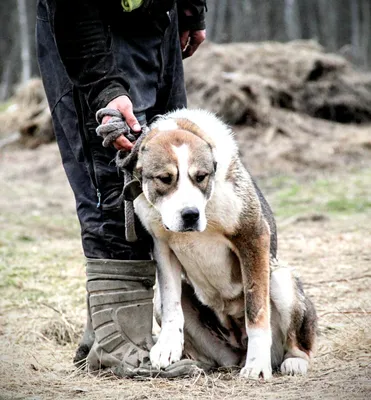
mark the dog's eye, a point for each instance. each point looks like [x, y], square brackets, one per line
[200, 177]
[166, 179]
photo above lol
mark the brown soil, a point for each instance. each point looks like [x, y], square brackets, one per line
[38, 337]
[42, 276]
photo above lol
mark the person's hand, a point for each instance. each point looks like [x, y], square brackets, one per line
[190, 41]
[125, 106]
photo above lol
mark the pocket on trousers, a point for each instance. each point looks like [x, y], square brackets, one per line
[114, 201]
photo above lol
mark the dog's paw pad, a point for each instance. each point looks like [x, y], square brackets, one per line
[254, 372]
[294, 366]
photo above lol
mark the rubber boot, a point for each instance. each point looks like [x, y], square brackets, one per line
[121, 308]
[120, 304]
[86, 342]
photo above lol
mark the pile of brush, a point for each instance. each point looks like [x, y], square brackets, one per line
[27, 119]
[245, 82]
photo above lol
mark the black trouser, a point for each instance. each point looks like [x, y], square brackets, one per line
[154, 69]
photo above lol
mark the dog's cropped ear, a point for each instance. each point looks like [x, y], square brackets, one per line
[141, 148]
[137, 172]
[187, 125]
[129, 160]
[120, 159]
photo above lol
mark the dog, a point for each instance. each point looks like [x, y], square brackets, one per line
[223, 298]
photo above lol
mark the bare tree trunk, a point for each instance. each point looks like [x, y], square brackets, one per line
[327, 31]
[238, 31]
[291, 19]
[6, 77]
[24, 41]
[366, 32]
[339, 25]
[355, 28]
[7, 73]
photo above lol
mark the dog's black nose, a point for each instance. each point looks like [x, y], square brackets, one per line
[190, 215]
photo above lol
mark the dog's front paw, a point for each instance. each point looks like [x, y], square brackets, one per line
[167, 350]
[255, 369]
[294, 366]
[258, 360]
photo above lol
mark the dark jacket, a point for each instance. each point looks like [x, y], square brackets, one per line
[82, 34]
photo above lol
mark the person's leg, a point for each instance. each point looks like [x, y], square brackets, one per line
[102, 227]
[171, 93]
[119, 273]
[96, 241]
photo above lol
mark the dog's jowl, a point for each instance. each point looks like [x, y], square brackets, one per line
[223, 297]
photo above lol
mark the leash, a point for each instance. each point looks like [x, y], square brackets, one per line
[125, 160]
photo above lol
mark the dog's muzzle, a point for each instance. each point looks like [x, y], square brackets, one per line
[190, 219]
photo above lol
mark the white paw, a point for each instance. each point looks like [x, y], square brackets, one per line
[256, 369]
[167, 350]
[258, 360]
[294, 366]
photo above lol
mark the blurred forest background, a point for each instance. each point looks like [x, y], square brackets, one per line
[341, 26]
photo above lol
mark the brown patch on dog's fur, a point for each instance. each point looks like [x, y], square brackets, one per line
[253, 250]
[187, 125]
[235, 269]
[157, 149]
[302, 331]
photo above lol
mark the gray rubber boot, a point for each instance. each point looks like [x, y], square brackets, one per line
[121, 308]
[120, 301]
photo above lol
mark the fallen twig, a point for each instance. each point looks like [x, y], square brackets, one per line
[346, 312]
[338, 280]
[52, 308]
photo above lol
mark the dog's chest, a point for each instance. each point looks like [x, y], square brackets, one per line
[212, 268]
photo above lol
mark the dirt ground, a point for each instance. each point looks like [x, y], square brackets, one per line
[316, 174]
[323, 218]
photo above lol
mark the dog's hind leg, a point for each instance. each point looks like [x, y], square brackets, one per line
[205, 339]
[301, 337]
[297, 320]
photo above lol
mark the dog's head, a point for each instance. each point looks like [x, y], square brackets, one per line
[177, 169]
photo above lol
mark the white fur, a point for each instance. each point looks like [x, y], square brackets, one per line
[294, 366]
[204, 256]
[169, 346]
[222, 136]
[165, 124]
[187, 195]
[282, 294]
[225, 207]
[258, 361]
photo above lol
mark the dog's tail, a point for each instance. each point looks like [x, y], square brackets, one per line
[293, 314]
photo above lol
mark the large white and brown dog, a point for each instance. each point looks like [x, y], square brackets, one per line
[222, 296]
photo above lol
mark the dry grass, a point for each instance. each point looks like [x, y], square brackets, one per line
[42, 283]
[316, 174]
[27, 114]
